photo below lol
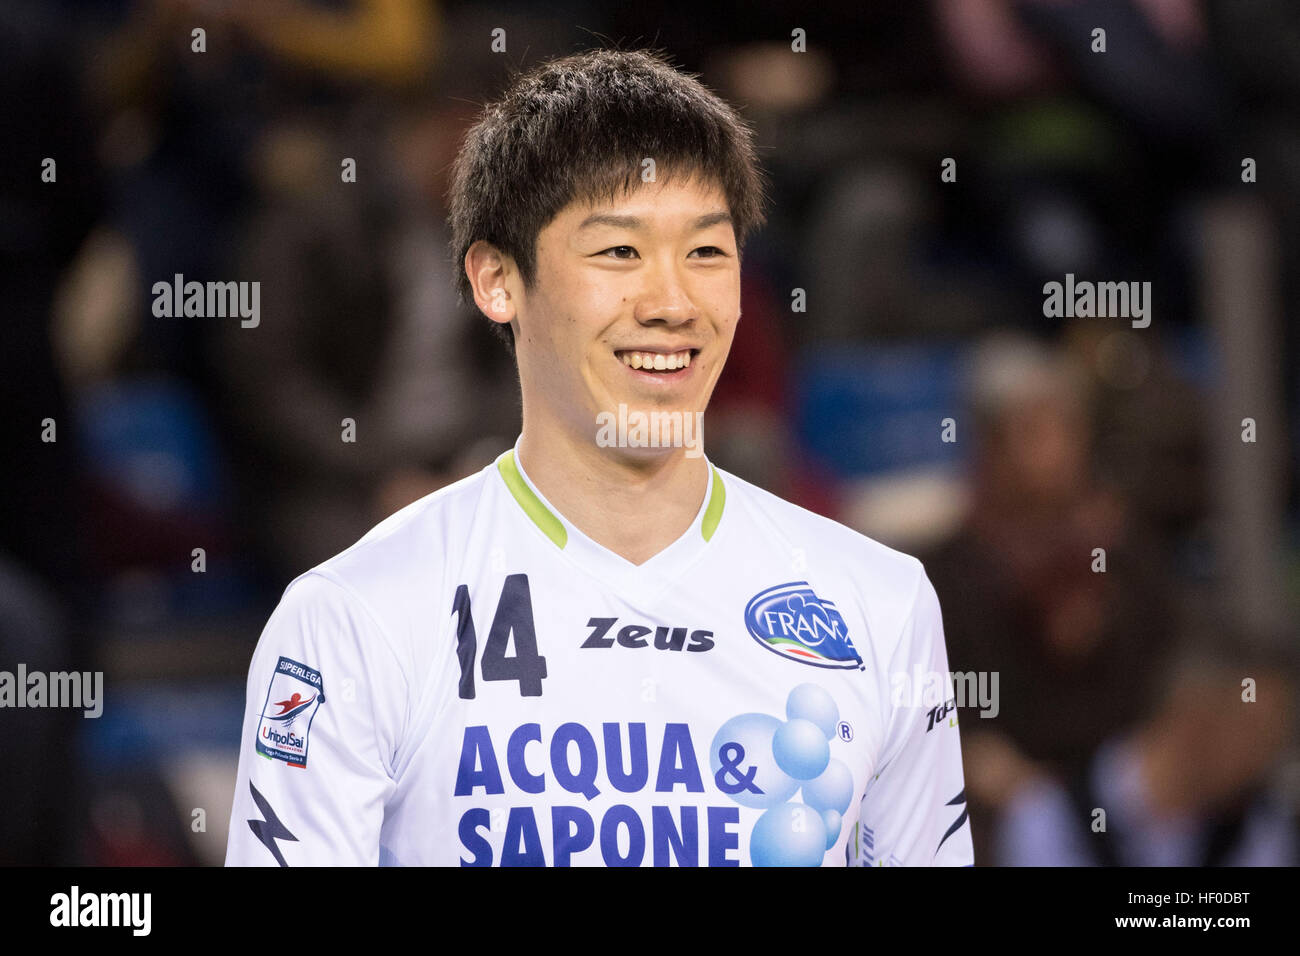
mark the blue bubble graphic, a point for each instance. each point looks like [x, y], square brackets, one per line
[833, 823]
[813, 703]
[801, 749]
[753, 733]
[788, 835]
[832, 790]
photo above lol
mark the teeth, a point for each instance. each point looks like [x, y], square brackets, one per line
[657, 360]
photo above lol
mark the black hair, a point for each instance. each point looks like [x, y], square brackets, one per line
[577, 128]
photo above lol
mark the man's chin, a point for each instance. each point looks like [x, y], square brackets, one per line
[646, 433]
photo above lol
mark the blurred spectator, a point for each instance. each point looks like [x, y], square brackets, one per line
[1195, 784]
[1149, 440]
[1074, 649]
[358, 325]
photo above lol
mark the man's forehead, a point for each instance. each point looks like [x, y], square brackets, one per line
[630, 208]
[617, 220]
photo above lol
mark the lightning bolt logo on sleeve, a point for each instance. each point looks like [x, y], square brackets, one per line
[957, 801]
[269, 829]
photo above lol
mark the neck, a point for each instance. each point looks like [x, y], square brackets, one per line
[633, 505]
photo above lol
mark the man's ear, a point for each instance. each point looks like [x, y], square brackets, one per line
[490, 272]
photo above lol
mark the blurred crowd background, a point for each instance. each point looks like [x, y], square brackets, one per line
[1120, 690]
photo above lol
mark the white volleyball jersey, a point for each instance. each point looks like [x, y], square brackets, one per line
[478, 683]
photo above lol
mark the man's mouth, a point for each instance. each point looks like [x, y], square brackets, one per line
[656, 361]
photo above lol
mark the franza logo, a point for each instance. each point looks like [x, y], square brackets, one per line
[794, 622]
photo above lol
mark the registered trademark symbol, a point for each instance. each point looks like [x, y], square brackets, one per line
[845, 731]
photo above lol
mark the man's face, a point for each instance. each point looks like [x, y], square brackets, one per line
[651, 280]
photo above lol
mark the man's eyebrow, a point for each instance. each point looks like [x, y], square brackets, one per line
[635, 222]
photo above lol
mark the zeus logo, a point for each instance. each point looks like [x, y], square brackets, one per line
[634, 635]
[269, 829]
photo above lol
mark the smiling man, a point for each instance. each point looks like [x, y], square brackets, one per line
[602, 649]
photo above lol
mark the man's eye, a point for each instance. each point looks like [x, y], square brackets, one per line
[615, 249]
[717, 252]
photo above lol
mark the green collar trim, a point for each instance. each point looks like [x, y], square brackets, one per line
[713, 514]
[542, 516]
[553, 527]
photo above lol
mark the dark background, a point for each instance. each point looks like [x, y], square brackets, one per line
[1120, 690]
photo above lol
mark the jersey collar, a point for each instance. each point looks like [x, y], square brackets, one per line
[645, 578]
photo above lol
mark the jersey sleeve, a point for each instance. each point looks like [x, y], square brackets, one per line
[914, 809]
[324, 716]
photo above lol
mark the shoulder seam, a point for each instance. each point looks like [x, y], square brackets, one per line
[386, 639]
[908, 621]
[441, 495]
[808, 514]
